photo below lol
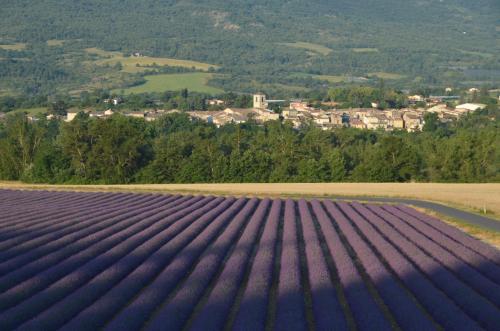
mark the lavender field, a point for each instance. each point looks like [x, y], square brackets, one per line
[123, 261]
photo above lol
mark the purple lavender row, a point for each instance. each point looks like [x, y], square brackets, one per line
[41, 220]
[17, 215]
[30, 205]
[49, 215]
[7, 197]
[56, 200]
[10, 196]
[137, 312]
[95, 273]
[69, 306]
[252, 312]
[290, 314]
[367, 314]
[45, 254]
[71, 225]
[473, 268]
[64, 264]
[94, 241]
[438, 305]
[327, 310]
[99, 220]
[37, 218]
[36, 222]
[406, 312]
[474, 305]
[32, 200]
[55, 197]
[455, 234]
[102, 310]
[47, 210]
[61, 227]
[462, 270]
[51, 223]
[175, 312]
[214, 312]
[33, 296]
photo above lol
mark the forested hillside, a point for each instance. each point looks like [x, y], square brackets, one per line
[256, 44]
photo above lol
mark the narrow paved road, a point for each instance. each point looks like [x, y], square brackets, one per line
[471, 218]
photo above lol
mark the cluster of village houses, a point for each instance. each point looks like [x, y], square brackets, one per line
[409, 119]
[300, 112]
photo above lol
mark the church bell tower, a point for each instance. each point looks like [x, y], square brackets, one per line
[259, 101]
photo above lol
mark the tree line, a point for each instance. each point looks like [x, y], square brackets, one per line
[175, 149]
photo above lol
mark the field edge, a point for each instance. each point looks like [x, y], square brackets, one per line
[489, 237]
[474, 230]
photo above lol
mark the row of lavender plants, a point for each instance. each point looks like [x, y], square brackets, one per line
[121, 261]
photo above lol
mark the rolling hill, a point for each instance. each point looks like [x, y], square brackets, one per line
[428, 41]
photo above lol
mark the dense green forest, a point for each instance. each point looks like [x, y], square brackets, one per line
[277, 46]
[175, 149]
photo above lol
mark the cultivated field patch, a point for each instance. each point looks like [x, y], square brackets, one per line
[196, 82]
[365, 50]
[14, 47]
[86, 261]
[315, 48]
[333, 78]
[133, 64]
[55, 42]
[386, 75]
[329, 78]
[31, 111]
[476, 53]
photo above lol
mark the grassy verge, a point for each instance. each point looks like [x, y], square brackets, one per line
[487, 236]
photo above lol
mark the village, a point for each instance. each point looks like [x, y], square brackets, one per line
[300, 113]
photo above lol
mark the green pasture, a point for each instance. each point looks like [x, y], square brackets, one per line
[196, 82]
[132, 64]
[316, 48]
